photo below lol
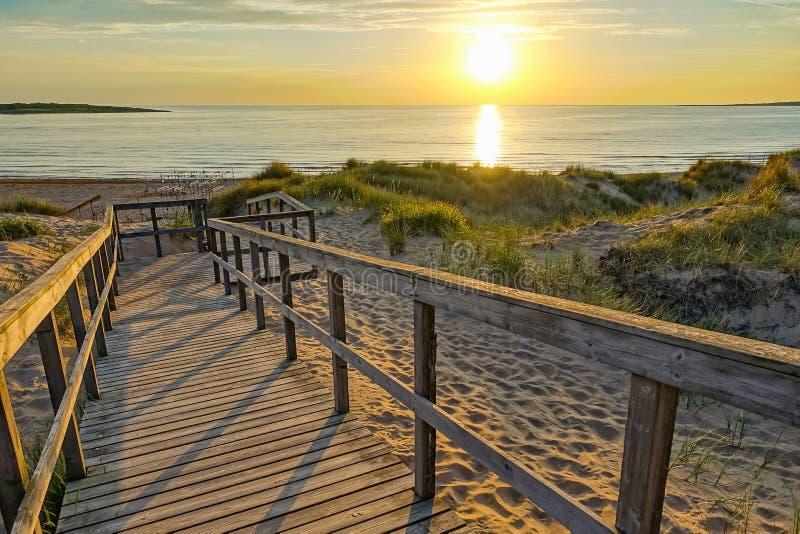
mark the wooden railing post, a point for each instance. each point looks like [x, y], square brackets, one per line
[226, 277]
[105, 268]
[13, 472]
[197, 218]
[645, 460]
[341, 394]
[261, 322]
[265, 252]
[425, 386]
[101, 284]
[116, 231]
[268, 204]
[312, 228]
[155, 229]
[79, 328]
[209, 231]
[237, 258]
[286, 298]
[93, 294]
[53, 360]
[108, 247]
[212, 241]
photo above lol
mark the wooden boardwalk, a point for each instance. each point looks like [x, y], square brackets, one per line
[203, 425]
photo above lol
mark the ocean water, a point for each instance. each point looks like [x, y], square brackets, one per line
[242, 139]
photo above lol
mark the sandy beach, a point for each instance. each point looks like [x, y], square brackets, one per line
[560, 414]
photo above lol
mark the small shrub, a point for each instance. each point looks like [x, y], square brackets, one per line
[30, 205]
[404, 218]
[782, 171]
[719, 176]
[19, 228]
[277, 170]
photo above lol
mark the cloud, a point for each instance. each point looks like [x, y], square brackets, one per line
[649, 31]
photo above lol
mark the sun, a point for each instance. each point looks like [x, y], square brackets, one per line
[490, 57]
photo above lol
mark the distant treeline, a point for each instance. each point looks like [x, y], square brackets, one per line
[41, 107]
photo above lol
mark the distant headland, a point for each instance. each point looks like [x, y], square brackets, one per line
[51, 107]
[795, 103]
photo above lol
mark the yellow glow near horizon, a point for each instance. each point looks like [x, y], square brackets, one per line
[490, 57]
[487, 136]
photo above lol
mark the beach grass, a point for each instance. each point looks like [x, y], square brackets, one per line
[16, 227]
[23, 204]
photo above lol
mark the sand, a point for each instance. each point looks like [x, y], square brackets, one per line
[560, 414]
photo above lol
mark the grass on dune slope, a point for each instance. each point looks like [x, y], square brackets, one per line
[753, 232]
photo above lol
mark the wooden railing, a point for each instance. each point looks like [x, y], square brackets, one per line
[662, 358]
[197, 209]
[279, 202]
[32, 311]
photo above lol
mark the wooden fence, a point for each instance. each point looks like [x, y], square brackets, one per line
[32, 311]
[279, 202]
[197, 209]
[663, 358]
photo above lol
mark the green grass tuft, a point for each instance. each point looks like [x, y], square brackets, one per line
[19, 228]
[30, 205]
[719, 176]
[277, 170]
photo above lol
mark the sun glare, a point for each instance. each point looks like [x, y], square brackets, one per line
[490, 56]
[487, 136]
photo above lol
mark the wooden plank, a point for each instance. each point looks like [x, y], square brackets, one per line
[164, 231]
[645, 462]
[53, 362]
[129, 206]
[159, 500]
[425, 387]
[723, 367]
[341, 390]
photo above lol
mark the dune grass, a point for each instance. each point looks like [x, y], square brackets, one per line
[16, 227]
[30, 205]
[719, 176]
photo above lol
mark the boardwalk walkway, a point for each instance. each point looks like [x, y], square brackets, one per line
[203, 425]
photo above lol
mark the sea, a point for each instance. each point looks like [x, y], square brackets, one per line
[237, 140]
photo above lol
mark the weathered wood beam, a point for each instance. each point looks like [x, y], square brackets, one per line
[237, 258]
[156, 233]
[286, 298]
[261, 321]
[53, 361]
[341, 389]
[645, 461]
[13, 471]
[425, 387]
[79, 329]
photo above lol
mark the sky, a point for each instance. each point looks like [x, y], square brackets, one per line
[417, 52]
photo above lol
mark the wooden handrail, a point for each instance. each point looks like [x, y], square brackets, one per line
[198, 208]
[32, 310]
[661, 357]
[22, 313]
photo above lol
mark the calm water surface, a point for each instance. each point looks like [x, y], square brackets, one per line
[241, 139]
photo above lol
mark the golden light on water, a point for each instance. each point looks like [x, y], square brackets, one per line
[490, 57]
[487, 136]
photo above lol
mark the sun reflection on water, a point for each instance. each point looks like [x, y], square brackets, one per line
[487, 136]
